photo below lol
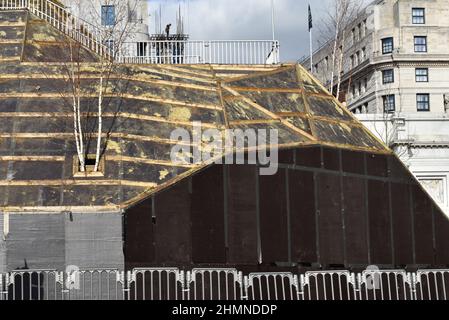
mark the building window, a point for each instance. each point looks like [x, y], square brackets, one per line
[423, 102]
[422, 75]
[418, 16]
[387, 45]
[420, 44]
[353, 36]
[388, 76]
[352, 61]
[108, 15]
[389, 103]
[364, 54]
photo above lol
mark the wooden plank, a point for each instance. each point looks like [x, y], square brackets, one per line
[44, 95]
[331, 236]
[32, 158]
[303, 217]
[139, 236]
[242, 215]
[273, 218]
[356, 235]
[172, 225]
[208, 238]
[331, 159]
[402, 224]
[422, 208]
[379, 223]
[86, 182]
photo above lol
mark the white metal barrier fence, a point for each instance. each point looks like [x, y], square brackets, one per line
[223, 284]
[151, 52]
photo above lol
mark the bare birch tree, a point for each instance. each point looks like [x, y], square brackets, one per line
[113, 29]
[340, 15]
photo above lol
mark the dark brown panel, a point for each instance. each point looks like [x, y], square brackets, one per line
[172, 225]
[330, 220]
[286, 156]
[303, 216]
[242, 215]
[379, 223]
[355, 221]
[441, 237]
[308, 157]
[139, 236]
[402, 224]
[331, 159]
[377, 165]
[397, 169]
[273, 218]
[353, 162]
[208, 237]
[422, 205]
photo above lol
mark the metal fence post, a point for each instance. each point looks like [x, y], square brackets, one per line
[245, 295]
[186, 286]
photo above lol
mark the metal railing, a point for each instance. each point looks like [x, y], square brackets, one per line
[57, 16]
[251, 52]
[223, 284]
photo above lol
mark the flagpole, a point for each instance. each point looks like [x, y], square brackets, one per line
[272, 21]
[310, 37]
[311, 51]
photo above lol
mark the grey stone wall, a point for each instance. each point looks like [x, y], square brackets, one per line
[55, 241]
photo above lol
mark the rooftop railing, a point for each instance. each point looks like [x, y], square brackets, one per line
[201, 52]
[151, 52]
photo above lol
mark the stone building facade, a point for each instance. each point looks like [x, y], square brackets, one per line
[395, 77]
[134, 13]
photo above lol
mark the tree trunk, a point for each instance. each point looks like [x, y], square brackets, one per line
[334, 52]
[100, 125]
[340, 66]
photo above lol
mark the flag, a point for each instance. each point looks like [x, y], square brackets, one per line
[310, 19]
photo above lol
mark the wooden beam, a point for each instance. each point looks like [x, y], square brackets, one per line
[32, 158]
[66, 135]
[16, 95]
[84, 182]
[272, 115]
[148, 161]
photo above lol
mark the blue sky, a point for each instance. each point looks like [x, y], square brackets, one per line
[246, 20]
